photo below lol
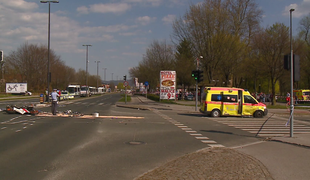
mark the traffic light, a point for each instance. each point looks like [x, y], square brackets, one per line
[125, 77]
[195, 74]
[287, 62]
[287, 65]
[200, 76]
[1, 56]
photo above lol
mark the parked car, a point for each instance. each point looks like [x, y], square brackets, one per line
[64, 95]
[189, 97]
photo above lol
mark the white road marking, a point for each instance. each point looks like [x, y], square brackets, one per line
[209, 141]
[201, 138]
[196, 134]
[216, 145]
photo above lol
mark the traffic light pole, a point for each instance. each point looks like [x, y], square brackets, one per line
[292, 80]
[125, 94]
[196, 101]
[196, 98]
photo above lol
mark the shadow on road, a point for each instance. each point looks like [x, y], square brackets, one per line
[192, 115]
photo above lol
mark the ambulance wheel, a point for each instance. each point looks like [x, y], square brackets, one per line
[216, 113]
[259, 114]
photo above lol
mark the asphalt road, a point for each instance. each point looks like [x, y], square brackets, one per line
[34, 147]
[104, 148]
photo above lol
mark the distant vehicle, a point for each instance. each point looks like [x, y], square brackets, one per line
[74, 90]
[101, 90]
[302, 94]
[92, 90]
[84, 91]
[64, 95]
[189, 97]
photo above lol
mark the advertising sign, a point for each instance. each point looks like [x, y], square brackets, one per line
[167, 84]
[136, 83]
[16, 88]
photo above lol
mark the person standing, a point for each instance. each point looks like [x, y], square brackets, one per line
[54, 96]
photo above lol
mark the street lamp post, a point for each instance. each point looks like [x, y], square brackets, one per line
[104, 75]
[48, 46]
[87, 45]
[97, 71]
[292, 75]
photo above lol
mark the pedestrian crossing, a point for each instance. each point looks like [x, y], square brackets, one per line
[271, 127]
[190, 131]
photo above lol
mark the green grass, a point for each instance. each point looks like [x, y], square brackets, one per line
[155, 97]
[123, 98]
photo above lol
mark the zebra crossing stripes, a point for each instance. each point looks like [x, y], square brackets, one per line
[264, 128]
[189, 130]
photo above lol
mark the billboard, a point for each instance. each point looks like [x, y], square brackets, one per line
[167, 84]
[16, 88]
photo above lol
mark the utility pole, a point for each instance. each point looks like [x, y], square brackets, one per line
[87, 92]
[48, 46]
[104, 75]
[97, 71]
[292, 76]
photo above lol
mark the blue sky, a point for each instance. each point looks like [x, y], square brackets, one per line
[118, 30]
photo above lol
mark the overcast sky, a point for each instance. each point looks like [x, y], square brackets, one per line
[118, 30]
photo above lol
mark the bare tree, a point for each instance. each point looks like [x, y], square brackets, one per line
[159, 56]
[29, 64]
[209, 24]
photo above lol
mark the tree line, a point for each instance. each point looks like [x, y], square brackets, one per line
[225, 39]
[29, 64]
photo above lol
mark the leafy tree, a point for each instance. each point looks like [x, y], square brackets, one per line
[184, 64]
[270, 45]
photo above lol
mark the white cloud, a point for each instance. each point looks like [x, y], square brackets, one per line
[127, 34]
[145, 2]
[66, 34]
[157, 3]
[144, 20]
[169, 19]
[20, 5]
[82, 10]
[301, 9]
[109, 8]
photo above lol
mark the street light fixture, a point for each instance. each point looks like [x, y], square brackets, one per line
[292, 75]
[87, 45]
[48, 51]
[97, 71]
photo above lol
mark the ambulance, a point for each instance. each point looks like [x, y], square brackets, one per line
[302, 94]
[225, 101]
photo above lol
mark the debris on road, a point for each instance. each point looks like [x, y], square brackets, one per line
[13, 109]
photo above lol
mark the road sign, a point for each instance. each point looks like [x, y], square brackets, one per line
[146, 83]
[125, 83]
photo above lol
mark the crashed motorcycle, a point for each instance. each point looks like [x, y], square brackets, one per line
[13, 109]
